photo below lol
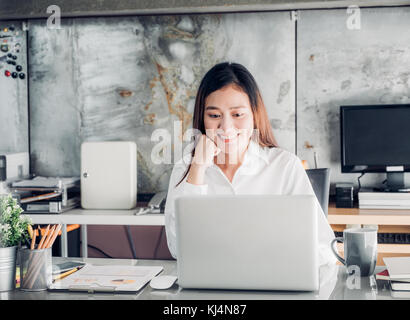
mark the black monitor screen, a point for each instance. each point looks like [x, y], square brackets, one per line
[374, 137]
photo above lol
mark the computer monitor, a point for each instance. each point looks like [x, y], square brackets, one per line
[375, 138]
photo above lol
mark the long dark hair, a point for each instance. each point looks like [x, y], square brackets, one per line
[220, 76]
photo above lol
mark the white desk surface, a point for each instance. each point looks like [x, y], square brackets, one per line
[99, 217]
[333, 286]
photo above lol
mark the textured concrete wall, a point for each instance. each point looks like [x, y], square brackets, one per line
[341, 66]
[13, 92]
[122, 78]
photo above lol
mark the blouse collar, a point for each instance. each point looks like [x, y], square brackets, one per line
[255, 156]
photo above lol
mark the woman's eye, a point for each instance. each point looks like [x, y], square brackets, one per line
[213, 115]
[237, 115]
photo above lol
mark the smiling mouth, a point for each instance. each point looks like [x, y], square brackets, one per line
[228, 139]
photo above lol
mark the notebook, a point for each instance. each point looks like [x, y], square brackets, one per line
[111, 278]
[398, 267]
[400, 294]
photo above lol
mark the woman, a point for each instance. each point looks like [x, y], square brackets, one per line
[237, 152]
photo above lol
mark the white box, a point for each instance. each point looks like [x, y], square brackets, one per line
[109, 175]
[14, 166]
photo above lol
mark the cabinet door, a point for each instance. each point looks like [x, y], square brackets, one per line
[108, 175]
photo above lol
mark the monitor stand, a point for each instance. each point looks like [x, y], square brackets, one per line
[395, 181]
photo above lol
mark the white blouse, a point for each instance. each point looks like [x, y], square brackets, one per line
[263, 171]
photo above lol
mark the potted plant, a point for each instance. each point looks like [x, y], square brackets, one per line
[13, 230]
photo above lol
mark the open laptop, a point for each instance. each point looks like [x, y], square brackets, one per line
[250, 242]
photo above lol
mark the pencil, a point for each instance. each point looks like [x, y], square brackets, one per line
[54, 236]
[39, 232]
[65, 274]
[30, 231]
[46, 242]
[43, 237]
[33, 241]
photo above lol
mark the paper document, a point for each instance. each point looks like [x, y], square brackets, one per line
[111, 278]
[46, 182]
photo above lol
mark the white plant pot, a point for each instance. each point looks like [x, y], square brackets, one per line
[8, 258]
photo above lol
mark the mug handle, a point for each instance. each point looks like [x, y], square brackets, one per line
[335, 252]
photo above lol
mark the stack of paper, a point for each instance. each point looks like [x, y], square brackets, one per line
[46, 182]
[398, 272]
[383, 200]
[48, 194]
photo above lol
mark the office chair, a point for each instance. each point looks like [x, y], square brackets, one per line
[320, 181]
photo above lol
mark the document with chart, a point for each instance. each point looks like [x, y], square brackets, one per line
[108, 278]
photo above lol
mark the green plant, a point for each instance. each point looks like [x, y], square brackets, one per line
[13, 226]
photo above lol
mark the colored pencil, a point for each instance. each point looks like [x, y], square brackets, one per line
[54, 236]
[46, 242]
[40, 245]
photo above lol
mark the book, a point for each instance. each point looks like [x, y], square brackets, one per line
[400, 286]
[395, 207]
[369, 195]
[399, 272]
[383, 200]
[384, 275]
[400, 294]
[398, 268]
[397, 285]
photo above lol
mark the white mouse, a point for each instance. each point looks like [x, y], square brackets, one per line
[162, 282]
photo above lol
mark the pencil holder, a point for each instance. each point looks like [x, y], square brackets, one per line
[35, 269]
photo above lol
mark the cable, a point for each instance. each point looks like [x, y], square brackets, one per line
[158, 242]
[131, 242]
[358, 180]
[99, 250]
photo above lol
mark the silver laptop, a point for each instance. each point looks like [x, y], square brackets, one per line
[250, 242]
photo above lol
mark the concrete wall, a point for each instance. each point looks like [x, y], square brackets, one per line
[122, 78]
[341, 66]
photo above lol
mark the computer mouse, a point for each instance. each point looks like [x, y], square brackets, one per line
[162, 282]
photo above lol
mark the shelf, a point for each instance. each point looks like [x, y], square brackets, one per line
[385, 248]
[99, 217]
[343, 216]
[383, 251]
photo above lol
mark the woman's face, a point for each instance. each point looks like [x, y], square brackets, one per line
[228, 119]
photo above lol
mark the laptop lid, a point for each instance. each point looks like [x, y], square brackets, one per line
[261, 242]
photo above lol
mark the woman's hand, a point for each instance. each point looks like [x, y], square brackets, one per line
[205, 151]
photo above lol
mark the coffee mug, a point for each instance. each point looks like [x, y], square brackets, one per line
[360, 249]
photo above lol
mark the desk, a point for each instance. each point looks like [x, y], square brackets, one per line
[334, 285]
[99, 217]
